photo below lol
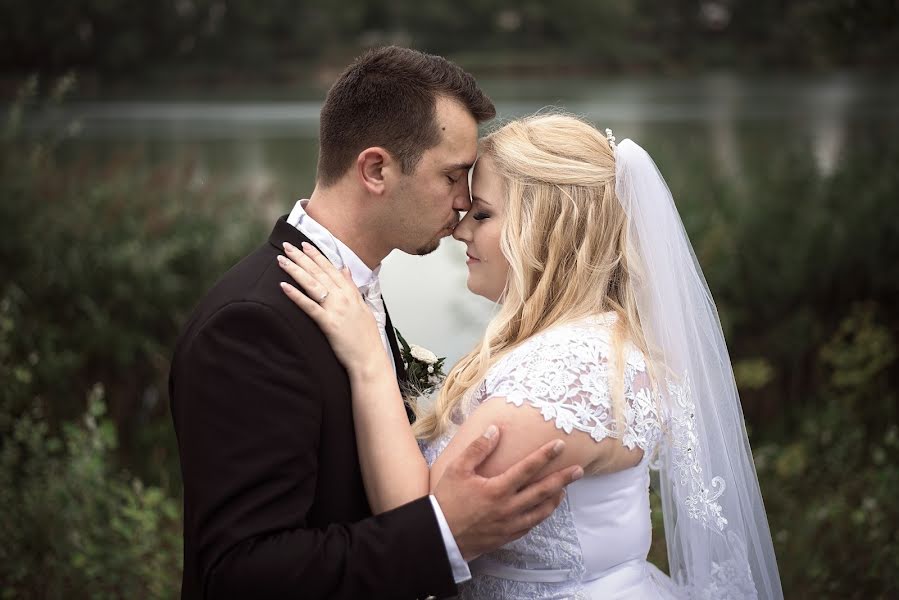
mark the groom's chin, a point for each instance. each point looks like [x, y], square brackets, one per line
[430, 247]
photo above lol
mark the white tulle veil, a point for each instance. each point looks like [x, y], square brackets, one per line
[716, 529]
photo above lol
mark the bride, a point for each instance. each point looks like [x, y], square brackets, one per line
[606, 330]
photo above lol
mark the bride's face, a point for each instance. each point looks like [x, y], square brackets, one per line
[480, 230]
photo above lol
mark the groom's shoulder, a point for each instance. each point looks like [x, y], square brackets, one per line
[251, 290]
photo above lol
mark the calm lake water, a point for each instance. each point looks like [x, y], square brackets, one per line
[265, 144]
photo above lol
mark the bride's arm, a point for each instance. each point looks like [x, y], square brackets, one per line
[393, 469]
[524, 429]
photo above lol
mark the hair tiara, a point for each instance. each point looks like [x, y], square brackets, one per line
[611, 137]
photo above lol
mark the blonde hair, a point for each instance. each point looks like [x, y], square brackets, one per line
[564, 235]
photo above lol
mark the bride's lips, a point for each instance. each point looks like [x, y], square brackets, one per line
[471, 259]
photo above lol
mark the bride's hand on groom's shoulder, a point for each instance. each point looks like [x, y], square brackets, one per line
[484, 513]
[333, 301]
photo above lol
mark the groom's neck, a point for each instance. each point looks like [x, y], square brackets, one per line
[343, 215]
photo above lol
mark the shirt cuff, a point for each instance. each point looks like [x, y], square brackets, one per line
[460, 568]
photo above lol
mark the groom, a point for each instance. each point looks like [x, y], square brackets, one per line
[274, 503]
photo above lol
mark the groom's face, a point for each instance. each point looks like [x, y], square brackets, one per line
[427, 201]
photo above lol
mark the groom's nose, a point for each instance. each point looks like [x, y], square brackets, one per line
[462, 202]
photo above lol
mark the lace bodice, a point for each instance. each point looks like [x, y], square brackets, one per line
[566, 374]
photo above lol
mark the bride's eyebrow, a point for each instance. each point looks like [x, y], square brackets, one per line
[479, 199]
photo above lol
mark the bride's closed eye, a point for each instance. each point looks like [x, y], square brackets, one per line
[480, 215]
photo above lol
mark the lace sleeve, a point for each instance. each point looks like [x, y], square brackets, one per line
[567, 378]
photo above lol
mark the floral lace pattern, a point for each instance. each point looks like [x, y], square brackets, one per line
[565, 373]
[702, 500]
[487, 586]
[553, 544]
[730, 579]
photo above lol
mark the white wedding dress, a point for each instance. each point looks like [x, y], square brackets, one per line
[594, 546]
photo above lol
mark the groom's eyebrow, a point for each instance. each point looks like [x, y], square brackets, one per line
[458, 167]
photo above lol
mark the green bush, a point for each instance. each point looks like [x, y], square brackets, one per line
[802, 265]
[103, 263]
[831, 490]
[787, 252]
[100, 266]
[73, 524]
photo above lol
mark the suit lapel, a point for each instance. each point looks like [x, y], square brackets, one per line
[394, 347]
[285, 232]
[397, 359]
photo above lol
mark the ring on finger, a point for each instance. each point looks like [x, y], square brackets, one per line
[323, 296]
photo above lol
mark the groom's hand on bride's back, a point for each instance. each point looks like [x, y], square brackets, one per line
[484, 513]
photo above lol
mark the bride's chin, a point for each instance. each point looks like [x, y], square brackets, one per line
[479, 292]
[470, 287]
[473, 288]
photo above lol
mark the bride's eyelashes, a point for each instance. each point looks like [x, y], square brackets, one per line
[480, 216]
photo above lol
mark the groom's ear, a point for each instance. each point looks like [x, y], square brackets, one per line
[375, 167]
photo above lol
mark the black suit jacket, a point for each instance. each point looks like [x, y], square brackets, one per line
[274, 505]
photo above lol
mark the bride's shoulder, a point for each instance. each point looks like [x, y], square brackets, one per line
[585, 340]
[592, 331]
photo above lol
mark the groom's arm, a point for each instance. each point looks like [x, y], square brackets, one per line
[249, 408]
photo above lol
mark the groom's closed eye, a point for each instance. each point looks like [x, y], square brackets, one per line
[456, 172]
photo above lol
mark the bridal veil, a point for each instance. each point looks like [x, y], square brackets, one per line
[716, 529]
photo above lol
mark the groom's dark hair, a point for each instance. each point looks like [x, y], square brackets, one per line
[388, 98]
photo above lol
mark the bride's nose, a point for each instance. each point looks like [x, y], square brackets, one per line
[462, 232]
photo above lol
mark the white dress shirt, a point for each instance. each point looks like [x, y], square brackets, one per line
[369, 285]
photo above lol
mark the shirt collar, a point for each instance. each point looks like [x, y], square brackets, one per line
[333, 249]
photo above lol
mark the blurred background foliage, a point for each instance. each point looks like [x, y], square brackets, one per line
[232, 38]
[101, 263]
[104, 254]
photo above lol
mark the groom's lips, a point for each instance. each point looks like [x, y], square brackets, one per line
[448, 229]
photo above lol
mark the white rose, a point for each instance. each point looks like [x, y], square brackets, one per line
[425, 356]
